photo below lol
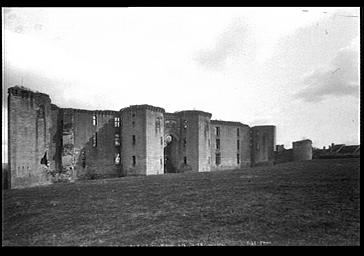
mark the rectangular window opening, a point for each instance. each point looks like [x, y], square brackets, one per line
[217, 131]
[94, 120]
[185, 159]
[134, 160]
[238, 158]
[217, 143]
[117, 122]
[134, 140]
[238, 132]
[218, 158]
[238, 144]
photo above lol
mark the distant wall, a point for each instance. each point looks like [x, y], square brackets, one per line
[234, 145]
[283, 156]
[263, 145]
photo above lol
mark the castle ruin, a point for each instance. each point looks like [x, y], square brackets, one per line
[49, 144]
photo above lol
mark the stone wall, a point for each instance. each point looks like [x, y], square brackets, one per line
[229, 150]
[154, 141]
[204, 143]
[133, 123]
[302, 150]
[48, 143]
[263, 145]
[55, 151]
[29, 124]
[173, 143]
[95, 161]
[194, 140]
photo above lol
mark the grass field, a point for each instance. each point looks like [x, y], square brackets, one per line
[305, 203]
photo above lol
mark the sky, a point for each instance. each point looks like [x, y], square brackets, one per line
[293, 67]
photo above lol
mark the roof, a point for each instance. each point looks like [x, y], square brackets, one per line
[348, 149]
[336, 147]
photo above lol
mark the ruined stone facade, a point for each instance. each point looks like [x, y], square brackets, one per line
[301, 151]
[49, 144]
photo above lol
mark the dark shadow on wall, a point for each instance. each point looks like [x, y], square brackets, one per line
[5, 175]
[171, 155]
[83, 160]
[57, 141]
[96, 162]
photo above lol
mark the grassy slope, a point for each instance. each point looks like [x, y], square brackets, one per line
[314, 202]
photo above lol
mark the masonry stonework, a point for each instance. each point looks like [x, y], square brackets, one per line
[46, 141]
[302, 150]
[230, 148]
[29, 138]
[263, 144]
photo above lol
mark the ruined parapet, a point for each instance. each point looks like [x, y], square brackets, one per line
[302, 150]
[195, 153]
[29, 124]
[142, 140]
[230, 145]
[262, 145]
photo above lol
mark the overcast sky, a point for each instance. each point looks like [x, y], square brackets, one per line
[296, 68]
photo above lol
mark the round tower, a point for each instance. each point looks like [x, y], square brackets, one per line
[142, 140]
[302, 150]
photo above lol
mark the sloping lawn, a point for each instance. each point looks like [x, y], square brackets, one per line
[304, 203]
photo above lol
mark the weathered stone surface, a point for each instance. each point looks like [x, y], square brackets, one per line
[137, 140]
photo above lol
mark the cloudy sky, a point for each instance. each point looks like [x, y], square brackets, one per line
[296, 68]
